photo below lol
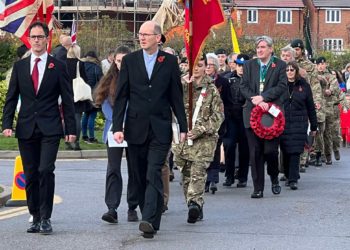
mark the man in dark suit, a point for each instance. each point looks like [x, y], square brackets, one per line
[264, 81]
[149, 84]
[39, 79]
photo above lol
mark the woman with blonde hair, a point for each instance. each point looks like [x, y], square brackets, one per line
[73, 57]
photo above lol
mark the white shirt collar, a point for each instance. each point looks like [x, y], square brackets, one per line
[43, 57]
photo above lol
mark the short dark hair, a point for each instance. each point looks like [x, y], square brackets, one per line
[92, 54]
[40, 24]
[122, 50]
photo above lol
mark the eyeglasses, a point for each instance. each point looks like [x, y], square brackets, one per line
[146, 34]
[39, 37]
[291, 70]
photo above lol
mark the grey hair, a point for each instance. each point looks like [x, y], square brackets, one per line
[267, 39]
[169, 50]
[229, 58]
[215, 60]
[157, 29]
[290, 49]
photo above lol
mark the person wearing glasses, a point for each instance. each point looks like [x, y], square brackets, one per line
[299, 110]
[264, 81]
[149, 87]
[39, 79]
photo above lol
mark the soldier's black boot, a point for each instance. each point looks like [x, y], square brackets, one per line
[193, 212]
[328, 159]
[318, 162]
[213, 187]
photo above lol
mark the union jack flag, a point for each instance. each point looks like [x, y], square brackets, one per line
[17, 15]
[73, 32]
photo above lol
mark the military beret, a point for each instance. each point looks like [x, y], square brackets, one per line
[220, 51]
[297, 43]
[241, 59]
[321, 59]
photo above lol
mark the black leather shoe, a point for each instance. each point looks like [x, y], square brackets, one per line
[222, 167]
[111, 216]
[257, 195]
[34, 228]
[213, 187]
[228, 182]
[337, 155]
[45, 227]
[132, 215]
[193, 212]
[147, 229]
[275, 187]
[293, 185]
[283, 178]
[241, 184]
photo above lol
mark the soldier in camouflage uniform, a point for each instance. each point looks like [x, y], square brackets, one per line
[331, 94]
[310, 74]
[193, 160]
[336, 132]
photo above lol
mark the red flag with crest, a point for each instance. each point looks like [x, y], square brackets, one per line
[200, 18]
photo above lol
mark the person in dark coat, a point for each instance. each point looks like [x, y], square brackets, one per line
[73, 57]
[93, 73]
[299, 110]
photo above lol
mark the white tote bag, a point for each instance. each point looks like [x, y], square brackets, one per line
[81, 90]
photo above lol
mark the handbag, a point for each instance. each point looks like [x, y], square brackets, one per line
[81, 90]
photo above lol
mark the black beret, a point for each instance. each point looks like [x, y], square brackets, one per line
[241, 59]
[220, 51]
[297, 43]
[321, 59]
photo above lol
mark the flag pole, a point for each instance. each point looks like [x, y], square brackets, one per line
[190, 61]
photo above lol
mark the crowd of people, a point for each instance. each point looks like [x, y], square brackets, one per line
[275, 108]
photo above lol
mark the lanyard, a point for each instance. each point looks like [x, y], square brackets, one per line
[263, 69]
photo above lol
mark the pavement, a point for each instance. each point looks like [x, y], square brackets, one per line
[316, 216]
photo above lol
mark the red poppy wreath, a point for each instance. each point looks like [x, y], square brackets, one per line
[273, 131]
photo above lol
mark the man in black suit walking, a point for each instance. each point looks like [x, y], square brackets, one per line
[264, 81]
[39, 79]
[149, 84]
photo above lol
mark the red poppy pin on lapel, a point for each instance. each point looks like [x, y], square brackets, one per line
[51, 65]
[204, 94]
[273, 65]
[161, 59]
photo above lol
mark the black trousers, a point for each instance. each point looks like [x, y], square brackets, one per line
[291, 166]
[114, 181]
[262, 151]
[235, 134]
[38, 155]
[146, 161]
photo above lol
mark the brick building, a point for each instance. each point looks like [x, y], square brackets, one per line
[330, 24]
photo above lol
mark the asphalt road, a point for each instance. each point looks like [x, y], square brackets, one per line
[316, 216]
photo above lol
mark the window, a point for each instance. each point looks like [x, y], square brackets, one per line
[333, 44]
[252, 16]
[284, 16]
[333, 16]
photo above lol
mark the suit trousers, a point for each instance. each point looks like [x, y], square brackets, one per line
[114, 181]
[146, 162]
[38, 155]
[262, 151]
[236, 134]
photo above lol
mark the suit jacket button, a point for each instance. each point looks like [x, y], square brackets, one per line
[150, 86]
[35, 113]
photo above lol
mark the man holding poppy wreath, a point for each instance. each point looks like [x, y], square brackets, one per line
[264, 82]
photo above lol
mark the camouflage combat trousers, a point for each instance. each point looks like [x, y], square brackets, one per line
[330, 127]
[336, 132]
[319, 143]
[194, 176]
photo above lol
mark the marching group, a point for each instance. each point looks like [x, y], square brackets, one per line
[145, 99]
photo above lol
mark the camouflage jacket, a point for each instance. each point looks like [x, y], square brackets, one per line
[315, 84]
[331, 83]
[209, 120]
